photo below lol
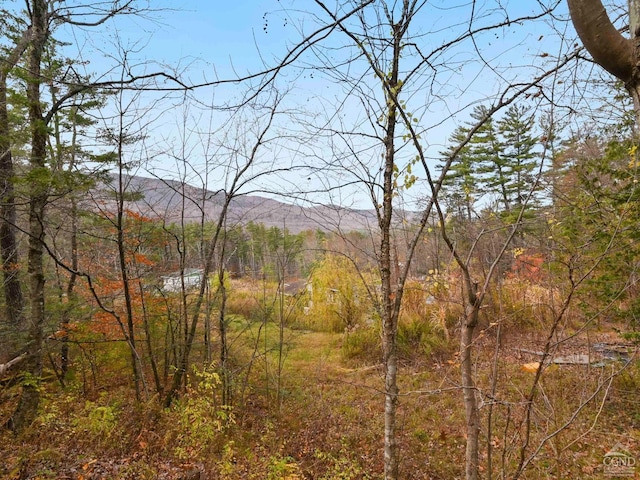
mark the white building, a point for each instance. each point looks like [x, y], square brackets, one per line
[192, 279]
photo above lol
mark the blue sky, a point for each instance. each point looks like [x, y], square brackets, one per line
[211, 33]
[228, 36]
[207, 40]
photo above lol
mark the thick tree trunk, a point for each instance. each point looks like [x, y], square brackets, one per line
[28, 405]
[601, 38]
[618, 55]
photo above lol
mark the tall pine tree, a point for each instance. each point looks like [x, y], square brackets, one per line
[518, 154]
[460, 181]
[492, 165]
[499, 162]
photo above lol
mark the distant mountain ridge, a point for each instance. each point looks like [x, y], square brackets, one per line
[174, 200]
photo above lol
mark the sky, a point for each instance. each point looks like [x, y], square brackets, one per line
[210, 40]
[215, 37]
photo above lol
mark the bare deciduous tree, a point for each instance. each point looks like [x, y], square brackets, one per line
[238, 163]
[384, 45]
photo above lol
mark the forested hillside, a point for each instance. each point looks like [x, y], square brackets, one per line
[384, 239]
[175, 201]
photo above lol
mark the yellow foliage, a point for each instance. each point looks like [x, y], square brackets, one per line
[339, 296]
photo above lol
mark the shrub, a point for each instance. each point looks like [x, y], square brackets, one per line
[423, 327]
[196, 421]
[363, 344]
[99, 421]
[341, 466]
[522, 303]
[421, 337]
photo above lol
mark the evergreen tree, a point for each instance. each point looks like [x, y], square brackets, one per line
[499, 161]
[460, 182]
[492, 165]
[518, 154]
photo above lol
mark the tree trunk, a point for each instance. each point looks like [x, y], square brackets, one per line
[28, 405]
[618, 55]
[601, 38]
[66, 313]
[634, 91]
[211, 245]
[14, 301]
[67, 294]
[8, 244]
[389, 290]
[224, 345]
[191, 328]
[472, 417]
[124, 275]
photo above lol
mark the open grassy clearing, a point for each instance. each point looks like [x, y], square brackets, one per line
[326, 420]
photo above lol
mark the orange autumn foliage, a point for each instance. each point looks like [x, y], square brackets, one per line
[101, 262]
[527, 267]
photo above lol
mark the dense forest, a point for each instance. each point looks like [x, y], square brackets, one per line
[402, 245]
